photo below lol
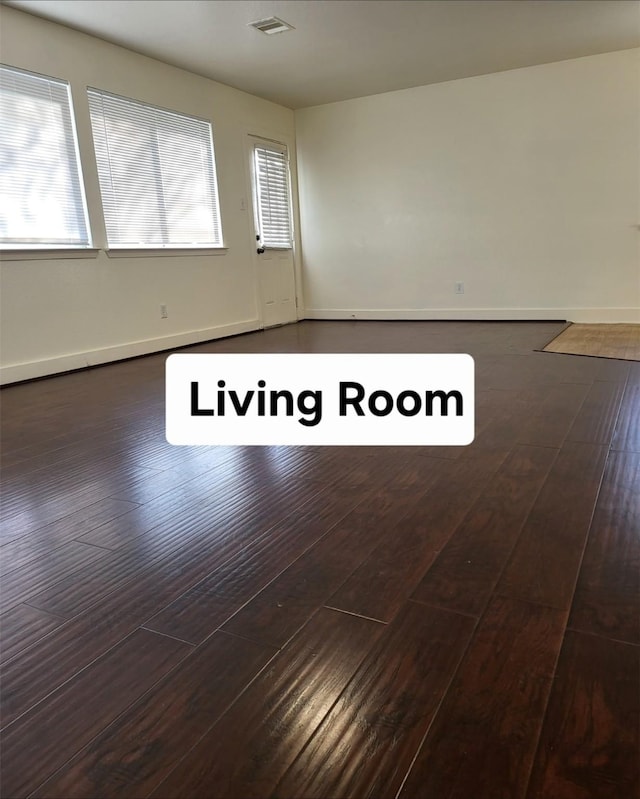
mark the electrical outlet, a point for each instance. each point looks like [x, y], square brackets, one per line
[164, 313]
[459, 289]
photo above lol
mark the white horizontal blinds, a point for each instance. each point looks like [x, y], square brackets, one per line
[272, 196]
[157, 175]
[41, 193]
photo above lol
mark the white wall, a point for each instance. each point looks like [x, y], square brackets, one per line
[65, 313]
[521, 184]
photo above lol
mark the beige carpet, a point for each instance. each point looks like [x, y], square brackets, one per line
[601, 341]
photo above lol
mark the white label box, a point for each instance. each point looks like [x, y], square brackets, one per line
[320, 399]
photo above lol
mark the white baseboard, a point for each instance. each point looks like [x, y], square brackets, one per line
[79, 360]
[626, 316]
[13, 373]
[584, 315]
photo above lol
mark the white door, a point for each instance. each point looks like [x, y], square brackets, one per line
[273, 231]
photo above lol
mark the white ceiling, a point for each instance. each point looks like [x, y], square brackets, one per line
[350, 48]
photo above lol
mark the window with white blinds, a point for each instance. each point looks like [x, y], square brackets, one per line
[157, 175]
[42, 202]
[271, 169]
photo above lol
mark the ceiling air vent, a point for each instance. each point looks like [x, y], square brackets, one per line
[271, 25]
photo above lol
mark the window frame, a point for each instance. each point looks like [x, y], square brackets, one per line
[45, 248]
[260, 143]
[131, 249]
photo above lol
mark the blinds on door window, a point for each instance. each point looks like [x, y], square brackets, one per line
[157, 175]
[272, 197]
[42, 200]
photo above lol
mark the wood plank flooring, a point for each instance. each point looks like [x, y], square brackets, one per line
[419, 622]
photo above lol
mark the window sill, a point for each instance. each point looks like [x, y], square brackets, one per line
[153, 252]
[45, 254]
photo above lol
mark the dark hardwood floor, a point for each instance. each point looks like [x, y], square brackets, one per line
[421, 622]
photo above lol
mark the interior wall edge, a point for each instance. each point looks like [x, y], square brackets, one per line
[14, 373]
[581, 315]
